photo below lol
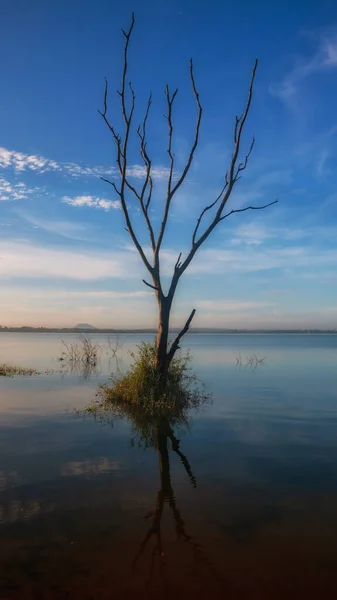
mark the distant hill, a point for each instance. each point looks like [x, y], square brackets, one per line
[85, 326]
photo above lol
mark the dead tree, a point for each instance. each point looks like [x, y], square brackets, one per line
[143, 195]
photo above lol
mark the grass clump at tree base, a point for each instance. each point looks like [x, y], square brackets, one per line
[141, 395]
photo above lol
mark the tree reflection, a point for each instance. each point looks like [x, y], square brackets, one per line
[165, 441]
[162, 435]
[159, 430]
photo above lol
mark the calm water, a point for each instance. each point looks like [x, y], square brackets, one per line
[245, 507]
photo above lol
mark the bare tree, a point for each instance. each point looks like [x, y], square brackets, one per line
[143, 196]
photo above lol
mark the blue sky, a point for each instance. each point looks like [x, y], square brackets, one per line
[64, 255]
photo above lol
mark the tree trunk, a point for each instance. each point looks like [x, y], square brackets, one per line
[162, 361]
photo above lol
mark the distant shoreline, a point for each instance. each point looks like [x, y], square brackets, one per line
[78, 331]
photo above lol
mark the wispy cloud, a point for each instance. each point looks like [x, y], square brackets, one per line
[92, 201]
[231, 305]
[20, 259]
[37, 305]
[256, 233]
[110, 295]
[21, 162]
[324, 59]
[322, 160]
[239, 261]
[67, 229]
[16, 191]
[252, 234]
[57, 295]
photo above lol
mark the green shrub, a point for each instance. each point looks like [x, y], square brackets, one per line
[144, 399]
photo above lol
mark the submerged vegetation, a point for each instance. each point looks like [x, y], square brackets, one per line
[12, 370]
[251, 360]
[83, 356]
[82, 350]
[145, 399]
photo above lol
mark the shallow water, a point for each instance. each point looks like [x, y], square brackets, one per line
[247, 507]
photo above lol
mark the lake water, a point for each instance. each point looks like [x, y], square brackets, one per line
[246, 508]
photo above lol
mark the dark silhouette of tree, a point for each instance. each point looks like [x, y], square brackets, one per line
[143, 195]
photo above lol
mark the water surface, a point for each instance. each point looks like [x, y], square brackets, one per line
[246, 508]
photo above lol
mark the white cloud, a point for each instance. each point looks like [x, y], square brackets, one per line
[92, 201]
[26, 162]
[324, 59]
[21, 162]
[15, 191]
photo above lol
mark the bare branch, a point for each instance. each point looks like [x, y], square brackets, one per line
[239, 125]
[178, 261]
[239, 210]
[123, 147]
[150, 286]
[196, 137]
[104, 113]
[145, 156]
[243, 164]
[208, 208]
[175, 344]
[170, 101]
[113, 185]
[171, 192]
[232, 178]
[148, 179]
[120, 153]
[116, 136]
[127, 118]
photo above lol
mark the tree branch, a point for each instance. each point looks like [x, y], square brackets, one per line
[127, 118]
[176, 266]
[113, 185]
[233, 173]
[196, 137]
[239, 210]
[170, 100]
[175, 344]
[172, 191]
[243, 164]
[208, 208]
[148, 179]
[123, 147]
[150, 285]
[116, 136]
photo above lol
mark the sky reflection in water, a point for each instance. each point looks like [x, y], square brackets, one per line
[248, 506]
